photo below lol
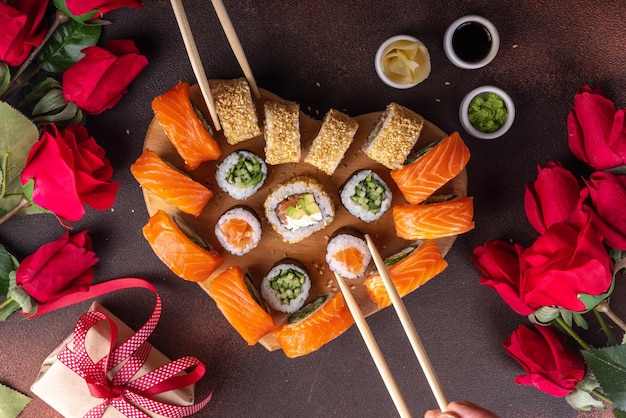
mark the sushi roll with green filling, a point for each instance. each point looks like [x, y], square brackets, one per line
[286, 287]
[298, 208]
[241, 174]
[366, 196]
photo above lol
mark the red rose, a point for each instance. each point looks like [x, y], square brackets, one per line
[550, 364]
[596, 131]
[68, 169]
[566, 261]
[498, 261]
[99, 80]
[607, 193]
[552, 197]
[22, 29]
[58, 268]
[89, 9]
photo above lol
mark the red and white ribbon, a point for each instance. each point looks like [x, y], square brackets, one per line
[118, 391]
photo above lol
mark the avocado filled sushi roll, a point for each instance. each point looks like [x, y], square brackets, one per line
[241, 174]
[238, 230]
[366, 196]
[347, 253]
[286, 286]
[298, 208]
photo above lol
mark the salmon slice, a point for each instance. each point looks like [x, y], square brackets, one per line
[175, 113]
[310, 333]
[232, 295]
[190, 259]
[170, 184]
[351, 259]
[238, 232]
[438, 165]
[434, 220]
[409, 273]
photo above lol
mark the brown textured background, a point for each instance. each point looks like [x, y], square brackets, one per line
[320, 54]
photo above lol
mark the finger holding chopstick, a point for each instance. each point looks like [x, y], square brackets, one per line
[373, 348]
[409, 328]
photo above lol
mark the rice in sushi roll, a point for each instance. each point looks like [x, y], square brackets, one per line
[236, 110]
[347, 254]
[366, 196]
[282, 132]
[298, 208]
[286, 286]
[238, 230]
[241, 174]
[332, 141]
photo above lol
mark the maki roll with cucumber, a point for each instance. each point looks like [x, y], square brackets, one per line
[286, 286]
[347, 253]
[298, 208]
[317, 323]
[241, 174]
[366, 196]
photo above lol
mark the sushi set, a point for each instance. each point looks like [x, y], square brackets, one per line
[264, 212]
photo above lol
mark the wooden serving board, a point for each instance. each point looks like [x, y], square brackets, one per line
[312, 250]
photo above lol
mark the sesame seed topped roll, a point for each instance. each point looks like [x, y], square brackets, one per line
[236, 110]
[393, 136]
[282, 132]
[332, 141]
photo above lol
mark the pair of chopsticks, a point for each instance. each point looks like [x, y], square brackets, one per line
[194, 56]
[409, 329]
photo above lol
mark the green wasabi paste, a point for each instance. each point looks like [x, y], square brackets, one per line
[487, 112]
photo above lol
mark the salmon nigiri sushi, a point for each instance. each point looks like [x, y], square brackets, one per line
[239, 301]
[170, 184]
[433, 167]
[185, 253]
[175, 113]
[434, 220]
[314, 325]
[409, 269]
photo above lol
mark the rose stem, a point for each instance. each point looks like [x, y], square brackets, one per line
[5, 303]
[600, 396]
[605, 328]
[59, 19]
[24, 203]
[559, 320]
[605, 309]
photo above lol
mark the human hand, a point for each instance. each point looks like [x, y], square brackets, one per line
[462, 409]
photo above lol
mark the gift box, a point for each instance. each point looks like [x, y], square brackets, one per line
[106, 369]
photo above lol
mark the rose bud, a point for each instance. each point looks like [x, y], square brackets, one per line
[22, 29]
[607, 193]
[83, 10]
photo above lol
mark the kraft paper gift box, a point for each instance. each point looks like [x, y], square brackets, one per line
[68, 393]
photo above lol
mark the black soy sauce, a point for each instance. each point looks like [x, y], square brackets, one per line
[471, 41]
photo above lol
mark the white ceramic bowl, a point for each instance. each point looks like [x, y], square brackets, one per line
[379, 67]
[455, 59]
[463, 112]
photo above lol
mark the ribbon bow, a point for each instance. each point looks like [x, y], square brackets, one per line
[131, 398]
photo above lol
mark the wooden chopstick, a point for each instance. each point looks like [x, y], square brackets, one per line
[409, 328]
[235, 45]
[373, 348]
[194, 57]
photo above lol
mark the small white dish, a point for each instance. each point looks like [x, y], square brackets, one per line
[464, 107]
[493, 47]
[378, 62]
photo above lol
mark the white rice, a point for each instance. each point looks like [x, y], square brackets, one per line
[239, 212]
[357, 210]
[236, 192]
[270, 295]
[342, 241]
[299, 185]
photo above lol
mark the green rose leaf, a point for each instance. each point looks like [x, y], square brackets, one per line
[63, 49]
[8, 264]
[609, 367]
[12, 402]
[60, 4]
[17, 136]
[5, 76]
[49, 106]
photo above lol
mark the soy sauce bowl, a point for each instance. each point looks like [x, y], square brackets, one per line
[481, 91]
[471, 42]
